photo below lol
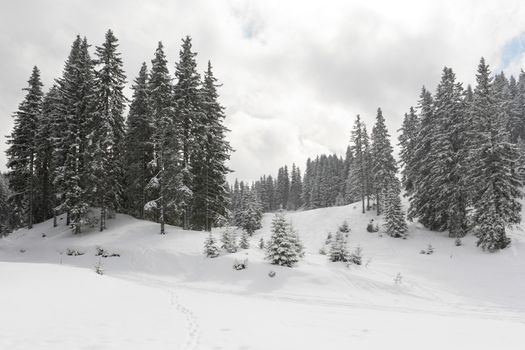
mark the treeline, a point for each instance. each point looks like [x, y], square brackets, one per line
[72, 148]
[366, 174]
[461, 156]
[330, 180]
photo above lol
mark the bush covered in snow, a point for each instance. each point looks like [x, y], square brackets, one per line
[371, 227]
[240, 265]
[427, 251]
[73, 252]
[211, 250]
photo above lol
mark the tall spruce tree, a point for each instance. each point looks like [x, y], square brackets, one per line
[22, 151]
[46, 146]
[209, 161]
[75, 125]
[294, 200]
[5, 207]
[359, 174]
[161, 108]
[138, 146]
[448, 170]
[282, 189]
[493, 165]
[107, 131]
[190, 120]
[422, 196]
[367, 166]
[407, 142]
[383, 164]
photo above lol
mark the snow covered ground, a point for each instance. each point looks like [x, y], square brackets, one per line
[161, 293]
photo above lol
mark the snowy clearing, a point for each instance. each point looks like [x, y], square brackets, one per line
[162, 293]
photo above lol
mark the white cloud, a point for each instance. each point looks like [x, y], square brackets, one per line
[295, 73]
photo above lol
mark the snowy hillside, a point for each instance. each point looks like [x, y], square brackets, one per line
[161, 292]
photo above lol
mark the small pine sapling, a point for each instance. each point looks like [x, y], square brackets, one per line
[338, 249]
[244, 243]
[211, 250]
[229, 240]
[356, 256]
[284, 247]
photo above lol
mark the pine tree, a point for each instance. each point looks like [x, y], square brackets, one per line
[516, 122]
[23, 149]
[283, 247]
[450, 146]
[229, 240]
[367, 153]
[422, 198]
[209, 162]
[294, 201]
[349, 191]
[161, 109]
[46, 147]
[244, 243]
[308, 184]
[494, 163]
[407, 142]
[211, 250]
[5, 207]
[338, 248]
[107, 138]
[282, 190]
[74, 127]
[191, 123]
[383, 164]
[395, 222]
[359, 173]
[249, 215]
[138, 146]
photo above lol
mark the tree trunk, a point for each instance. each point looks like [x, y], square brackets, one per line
[31, 185]
[45, 192]
[55, 218]
[377, 203]
[102, 211]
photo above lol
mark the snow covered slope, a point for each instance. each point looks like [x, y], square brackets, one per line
[162, 293]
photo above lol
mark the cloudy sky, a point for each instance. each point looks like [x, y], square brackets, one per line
[294, 73]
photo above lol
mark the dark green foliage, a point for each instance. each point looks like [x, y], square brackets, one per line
[106, 147]
[138, 146]
[383, 164]
[23, 150]
[210, 192]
